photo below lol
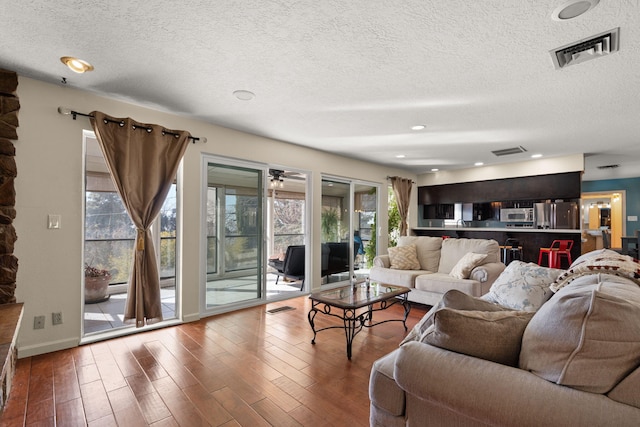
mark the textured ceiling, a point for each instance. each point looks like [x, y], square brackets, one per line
[353, 77]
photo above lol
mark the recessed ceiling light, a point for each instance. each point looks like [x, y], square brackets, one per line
[400, 156]
[76, 65]
[536, 156]
[573, 9]
[244, 95]
[478, 164]
[418, 127]
[435, 170]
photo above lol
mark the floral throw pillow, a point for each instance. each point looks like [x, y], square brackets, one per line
[523, 286]
[404, 258]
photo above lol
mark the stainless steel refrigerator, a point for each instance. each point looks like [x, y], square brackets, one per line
[563, 215]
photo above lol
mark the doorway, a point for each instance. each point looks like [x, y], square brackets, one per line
[603, 211]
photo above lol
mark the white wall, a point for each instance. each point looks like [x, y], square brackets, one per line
[50, 174]
[542, 166]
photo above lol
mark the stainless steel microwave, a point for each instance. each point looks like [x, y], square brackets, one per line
[517, 215]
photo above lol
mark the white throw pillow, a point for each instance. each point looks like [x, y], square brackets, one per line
[463, 268]
[523, 286]
[404, 258]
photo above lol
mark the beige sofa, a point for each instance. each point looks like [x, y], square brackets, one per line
[575, 362]
[437, 258]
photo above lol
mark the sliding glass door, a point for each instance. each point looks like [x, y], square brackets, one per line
[253, 214]
[348, 217]
[234, 227]
[109, 236]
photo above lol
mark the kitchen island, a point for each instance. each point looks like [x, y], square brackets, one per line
[531, 239]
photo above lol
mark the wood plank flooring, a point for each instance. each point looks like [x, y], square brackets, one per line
[245, 368]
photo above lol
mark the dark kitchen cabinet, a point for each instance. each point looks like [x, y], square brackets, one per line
[439, 211]
[540, 187]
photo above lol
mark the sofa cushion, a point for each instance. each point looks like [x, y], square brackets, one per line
[468, 262]
[404, 258]
[489, 335]
[587, 336]
[454, 249]
[384, 392]
[627, 390]
[442, 282]
[523, 286]
[404, 278]
[451, 299]
[427, 250]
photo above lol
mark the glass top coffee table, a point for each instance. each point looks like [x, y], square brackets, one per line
[355, 307]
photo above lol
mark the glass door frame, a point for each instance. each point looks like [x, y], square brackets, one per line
[231, 164]
[263, 298]
[352, 187]
[90, 337]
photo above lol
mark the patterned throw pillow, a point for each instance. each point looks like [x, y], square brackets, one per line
[404, 258]
[523, 286]
[599, 261]
[468, 262]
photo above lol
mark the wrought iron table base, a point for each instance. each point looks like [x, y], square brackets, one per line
[354, 322]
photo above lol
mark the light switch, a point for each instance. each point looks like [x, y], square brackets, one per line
[632, 218]
[54, 222]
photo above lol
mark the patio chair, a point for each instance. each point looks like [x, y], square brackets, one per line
[292, 266]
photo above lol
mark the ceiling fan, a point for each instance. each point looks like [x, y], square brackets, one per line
[278, 175]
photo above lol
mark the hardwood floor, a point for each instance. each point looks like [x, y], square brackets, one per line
[246, 368]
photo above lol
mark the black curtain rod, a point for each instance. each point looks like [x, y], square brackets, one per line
[74, 114]
[389, 178]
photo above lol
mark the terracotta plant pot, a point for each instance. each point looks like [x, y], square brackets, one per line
[96, 289]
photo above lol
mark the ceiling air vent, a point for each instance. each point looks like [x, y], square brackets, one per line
[590, 48]
[608, 167]
[508, 151]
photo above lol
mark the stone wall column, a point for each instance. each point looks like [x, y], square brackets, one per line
[9, 107]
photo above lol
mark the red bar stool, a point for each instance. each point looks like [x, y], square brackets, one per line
[558, 249]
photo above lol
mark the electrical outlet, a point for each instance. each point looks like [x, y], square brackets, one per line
[56, 318]
[38, 322]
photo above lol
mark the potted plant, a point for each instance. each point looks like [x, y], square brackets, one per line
[96, 284]
[330, 220]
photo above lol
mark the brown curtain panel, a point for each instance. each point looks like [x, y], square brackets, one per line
[143, 160]
[402, 192]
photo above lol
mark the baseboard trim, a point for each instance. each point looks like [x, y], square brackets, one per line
[34, 350]
[193, 317]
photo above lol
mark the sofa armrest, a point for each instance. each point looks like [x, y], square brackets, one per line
[500, 395]
[382, 261]
[488, 272]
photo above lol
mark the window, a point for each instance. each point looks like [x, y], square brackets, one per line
[288, 220]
